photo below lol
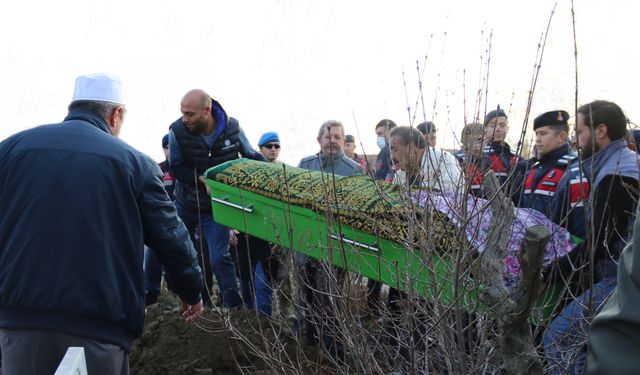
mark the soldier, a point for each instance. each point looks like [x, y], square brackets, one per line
[350, 151]
[554, 156]
[498, 155]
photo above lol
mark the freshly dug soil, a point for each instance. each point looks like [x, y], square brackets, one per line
[220, 343]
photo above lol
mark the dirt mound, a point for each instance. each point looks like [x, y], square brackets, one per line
[220, 343]
[170, 346]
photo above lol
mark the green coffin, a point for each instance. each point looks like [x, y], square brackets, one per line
[358, 224]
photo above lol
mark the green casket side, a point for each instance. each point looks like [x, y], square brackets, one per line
[306, 232]
[320, 236]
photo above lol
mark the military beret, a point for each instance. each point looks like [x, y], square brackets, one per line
[493, 114]
[551, 118]
[268, 137]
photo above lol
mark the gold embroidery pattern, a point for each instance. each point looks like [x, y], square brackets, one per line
[373, 207]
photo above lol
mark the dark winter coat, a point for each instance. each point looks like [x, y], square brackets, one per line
[78, 205]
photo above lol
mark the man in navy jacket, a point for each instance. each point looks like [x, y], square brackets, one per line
[78, 205]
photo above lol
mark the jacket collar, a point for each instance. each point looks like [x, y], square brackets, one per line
[89, 117]
[330, 159]
[555, 154]
[614, 159]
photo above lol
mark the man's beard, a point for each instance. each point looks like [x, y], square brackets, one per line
[588, 150]
[198, 126]
[331, 150]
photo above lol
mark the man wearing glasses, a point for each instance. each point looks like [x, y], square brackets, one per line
[270, 146]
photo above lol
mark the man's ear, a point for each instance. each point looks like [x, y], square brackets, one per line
[564, 136]
[115, 120]
[601, 131]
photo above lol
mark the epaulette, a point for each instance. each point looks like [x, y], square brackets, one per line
[460, 156]
[567, 159]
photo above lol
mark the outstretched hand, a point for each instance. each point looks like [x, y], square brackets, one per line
[191, 312]
[233, 237]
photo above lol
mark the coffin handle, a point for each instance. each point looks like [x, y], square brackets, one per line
[354, 243]
[224, 201]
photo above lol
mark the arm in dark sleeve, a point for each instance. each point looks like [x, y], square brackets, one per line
[518, 178]
[612, 215]
[166, 234]
[568, 206]
[247, 151]
[383, 162]
[177, 165]
[577, 221]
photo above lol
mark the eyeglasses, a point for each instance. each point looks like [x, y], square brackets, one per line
[271, 146]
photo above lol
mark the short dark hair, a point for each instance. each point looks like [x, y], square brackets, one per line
[608, 113]
[556, 129]
[427, 127]
[407, 134]
[102, 109]
[494, 114]
[389, 124]
[469, 130]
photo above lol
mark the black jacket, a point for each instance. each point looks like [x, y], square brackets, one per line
[191, 156]
[78, 205]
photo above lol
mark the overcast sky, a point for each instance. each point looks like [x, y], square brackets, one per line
[291, 65]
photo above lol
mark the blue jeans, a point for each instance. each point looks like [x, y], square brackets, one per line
[262, 297]
[153, 270]
[253, 256]
[152, 273]
[565, 341]
[217, 237]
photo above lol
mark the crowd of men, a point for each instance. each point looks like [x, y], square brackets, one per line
[79, 205]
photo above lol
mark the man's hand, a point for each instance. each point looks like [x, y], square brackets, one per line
[204, 182]
[191, 312]
[233, 237]
[275, 249]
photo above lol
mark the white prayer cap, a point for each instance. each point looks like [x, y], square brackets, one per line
[100, 87]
